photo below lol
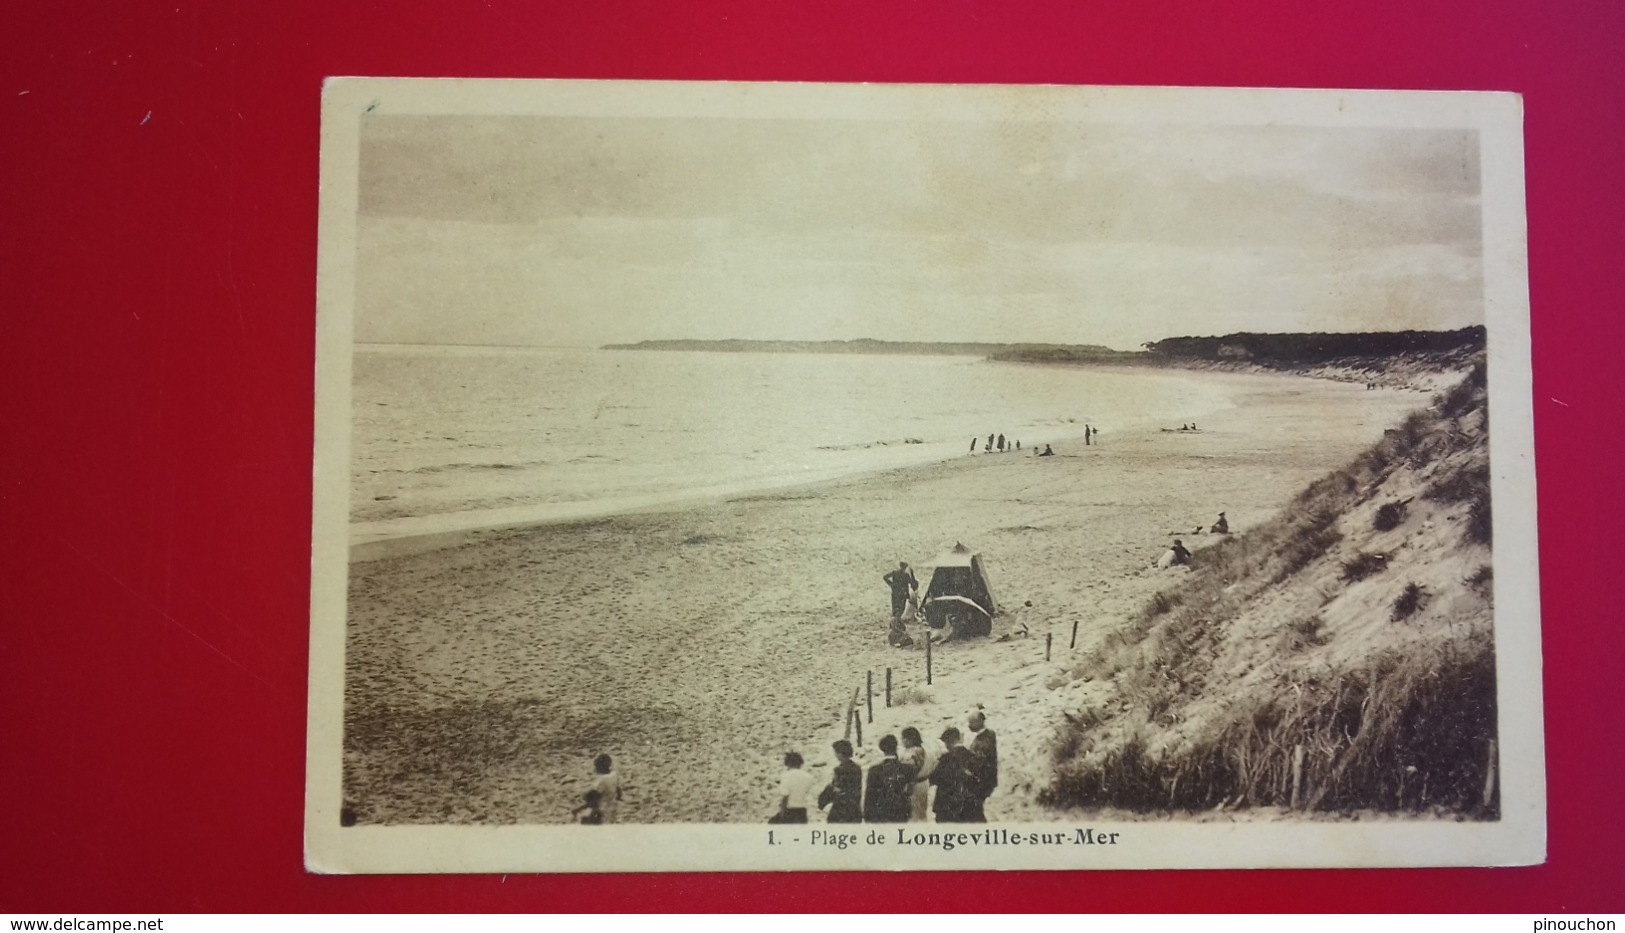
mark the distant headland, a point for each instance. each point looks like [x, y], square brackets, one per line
[1378, 357]
[883, 347]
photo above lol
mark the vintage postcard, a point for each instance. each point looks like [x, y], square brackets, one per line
[733, 477]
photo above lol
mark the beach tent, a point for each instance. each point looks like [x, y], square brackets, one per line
[960, 596]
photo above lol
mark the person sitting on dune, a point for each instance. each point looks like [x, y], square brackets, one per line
[1222, 526]
[1047, 452]
[1175, 556]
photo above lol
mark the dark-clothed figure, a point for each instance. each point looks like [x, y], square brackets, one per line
[973, 443]
[1222, 526]
[984, 748]
[1000, 444]
[589, 812]
[953, 778]
[844, 795]
[886, 796]
[1047, 452]
[1182, 555]
[903, 584]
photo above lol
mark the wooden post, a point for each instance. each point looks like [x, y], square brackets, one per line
[928, 659]
[888, 688]
[1048, 637]
[1297, 774]
[869, 695]
[1489, 775]
[1074, 643]
[851, 708]
[858, 722]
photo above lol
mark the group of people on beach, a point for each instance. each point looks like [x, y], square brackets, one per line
[997, 443]
[994, 443]
[897, 789]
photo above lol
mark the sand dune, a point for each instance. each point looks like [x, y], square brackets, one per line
[697, 645]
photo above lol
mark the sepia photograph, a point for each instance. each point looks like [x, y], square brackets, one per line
[1062, 477]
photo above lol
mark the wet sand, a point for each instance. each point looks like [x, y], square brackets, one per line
[697, 645]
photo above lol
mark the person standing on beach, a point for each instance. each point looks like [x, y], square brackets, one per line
[920, 762]
[984, 749]
[844, 794]
[904, 585]
[608, 785]
[795, 791]
[952, 777]
[887, 792]
[1001, 443]
[973, 442]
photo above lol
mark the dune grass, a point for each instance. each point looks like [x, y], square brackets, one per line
[1405, 725]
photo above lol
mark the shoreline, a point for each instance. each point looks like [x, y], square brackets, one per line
[394, 537]
[697, 645]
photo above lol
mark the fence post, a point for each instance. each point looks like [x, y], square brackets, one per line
[888, 688]
[928, 659]
[1048, 637]
[1297, 774]
[869, 694]
[851, 709]
[858, 722]
[1074, 643]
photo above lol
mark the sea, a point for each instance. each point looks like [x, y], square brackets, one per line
[453, 438]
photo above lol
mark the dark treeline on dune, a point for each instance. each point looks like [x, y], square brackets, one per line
[1313, 349]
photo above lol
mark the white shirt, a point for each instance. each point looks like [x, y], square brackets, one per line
[795, 785]
[608, 787]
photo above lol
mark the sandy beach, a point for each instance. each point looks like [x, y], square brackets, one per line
[697, 645]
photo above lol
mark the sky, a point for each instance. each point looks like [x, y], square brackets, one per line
[581, 231]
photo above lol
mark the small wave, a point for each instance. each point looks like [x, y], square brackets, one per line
[471, 467]
[872, 444]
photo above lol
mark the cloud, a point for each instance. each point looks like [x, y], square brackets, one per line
[584, 231]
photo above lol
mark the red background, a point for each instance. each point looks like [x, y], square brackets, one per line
[156, 298]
